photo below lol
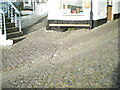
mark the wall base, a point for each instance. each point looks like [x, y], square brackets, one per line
[65, 22]
[99, 22]
[116, 16]
[68, 22]
[95, 23]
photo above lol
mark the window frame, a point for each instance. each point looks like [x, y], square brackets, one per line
[72, 14]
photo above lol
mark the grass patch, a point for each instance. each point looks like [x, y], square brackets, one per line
[71, 29]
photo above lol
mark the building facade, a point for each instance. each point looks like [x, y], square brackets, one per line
[78, 11]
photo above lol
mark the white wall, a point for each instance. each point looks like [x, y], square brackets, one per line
[41, 8]
[99, 11]
[116, 6]
[55, 13]
[95, 9]
[102, 9]
[4, 42]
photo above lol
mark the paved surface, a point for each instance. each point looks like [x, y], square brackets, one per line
[0, 67]
[80, 58]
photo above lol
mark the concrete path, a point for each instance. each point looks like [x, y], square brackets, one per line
[64, 59]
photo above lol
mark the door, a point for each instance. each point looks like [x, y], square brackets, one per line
[109, 12]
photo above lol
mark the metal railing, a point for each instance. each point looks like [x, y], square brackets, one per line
[2, 23]
[15, 15]
[8, 10]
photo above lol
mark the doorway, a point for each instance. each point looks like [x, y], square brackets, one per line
[109, 12]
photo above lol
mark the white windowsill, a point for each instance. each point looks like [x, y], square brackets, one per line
[72, 14]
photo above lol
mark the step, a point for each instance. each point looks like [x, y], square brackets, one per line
[9, 24]
[7, 20]
[17, 39]
[70, 25]
[14, 34]
[12, 29]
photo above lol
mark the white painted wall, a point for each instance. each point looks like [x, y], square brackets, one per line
[116, 6]
[55, 13]
[95, 9]
[99, 11]
[41, 8]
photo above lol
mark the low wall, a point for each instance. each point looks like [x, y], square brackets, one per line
[40, 12]
[32, 19]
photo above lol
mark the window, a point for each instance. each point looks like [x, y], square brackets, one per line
[72, 7]
[40, 1]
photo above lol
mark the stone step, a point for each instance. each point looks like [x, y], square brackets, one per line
[14, 34]
[7, 20]
[12, 29]
[70, 25]
[9, 24]
[17, 39]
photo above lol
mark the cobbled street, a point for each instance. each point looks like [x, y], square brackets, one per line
[75, 59]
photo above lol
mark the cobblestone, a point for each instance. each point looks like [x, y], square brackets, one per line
[90, 61]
